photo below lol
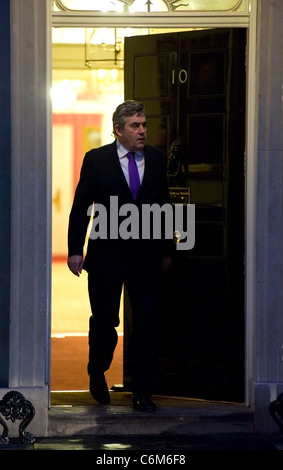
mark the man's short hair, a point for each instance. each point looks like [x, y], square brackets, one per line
[124, 110]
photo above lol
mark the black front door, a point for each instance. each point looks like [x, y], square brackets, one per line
[193, 88]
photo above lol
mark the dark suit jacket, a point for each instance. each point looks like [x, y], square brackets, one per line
[101, 177]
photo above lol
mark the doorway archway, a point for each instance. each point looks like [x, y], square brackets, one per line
[185, 20]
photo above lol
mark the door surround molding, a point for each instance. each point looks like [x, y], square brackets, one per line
[30, 305]
[30, 310]
[153, 20]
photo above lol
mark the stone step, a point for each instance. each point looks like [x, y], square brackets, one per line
[82, 416]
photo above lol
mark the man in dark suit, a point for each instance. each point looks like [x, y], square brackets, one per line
[113, 260]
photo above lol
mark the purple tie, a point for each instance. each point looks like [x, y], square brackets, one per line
[133, 174]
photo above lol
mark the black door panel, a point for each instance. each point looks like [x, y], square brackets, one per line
[193, 87]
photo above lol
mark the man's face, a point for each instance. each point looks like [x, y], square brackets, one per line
[133, 135]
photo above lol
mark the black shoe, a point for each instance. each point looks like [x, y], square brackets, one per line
[143, 403]
[98, 388]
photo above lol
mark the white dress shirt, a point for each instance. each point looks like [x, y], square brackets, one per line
[122, 152]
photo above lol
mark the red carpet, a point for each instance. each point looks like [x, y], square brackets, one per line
[69, 356]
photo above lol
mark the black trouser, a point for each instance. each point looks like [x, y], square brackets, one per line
[144, 293]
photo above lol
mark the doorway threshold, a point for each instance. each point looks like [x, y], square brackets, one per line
[76, 413]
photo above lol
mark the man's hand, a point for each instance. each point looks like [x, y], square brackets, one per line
[75, 264]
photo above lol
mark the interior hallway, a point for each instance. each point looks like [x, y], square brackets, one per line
[69, 333]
